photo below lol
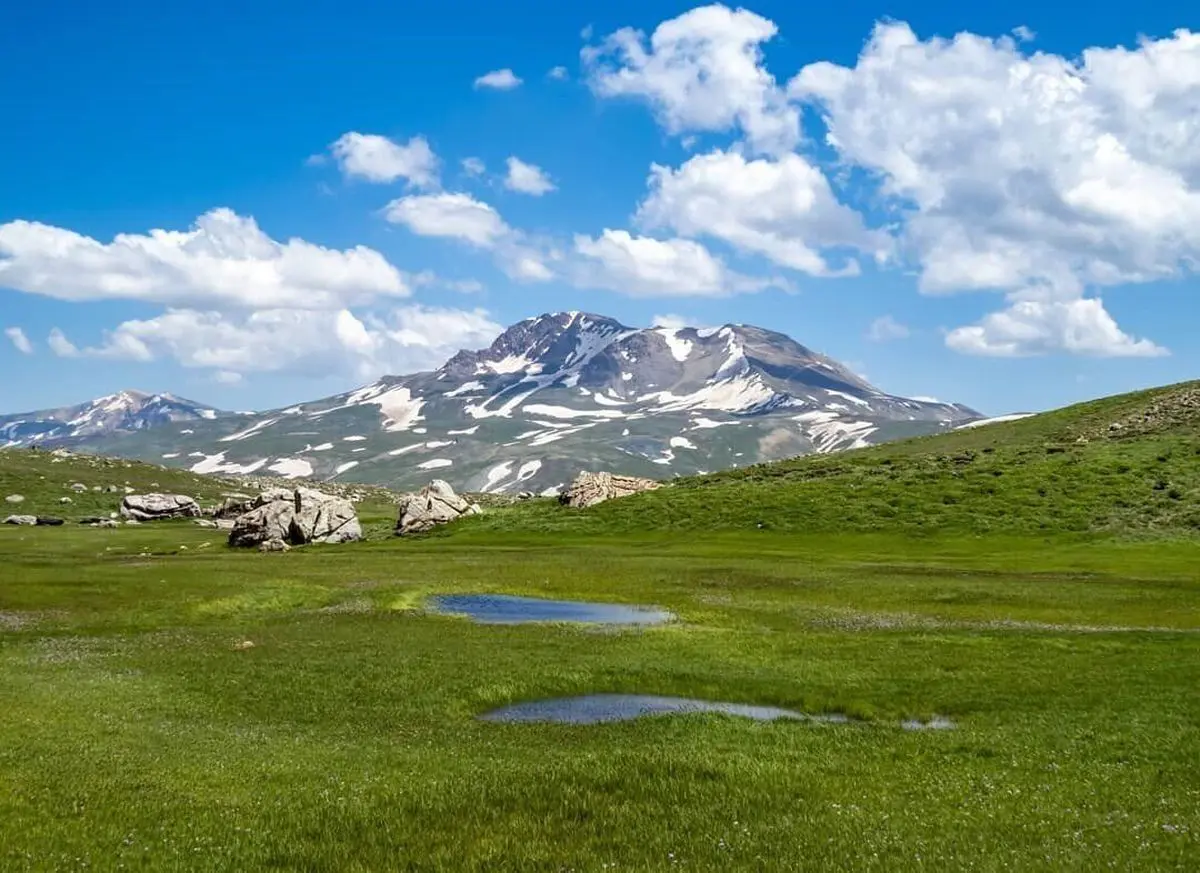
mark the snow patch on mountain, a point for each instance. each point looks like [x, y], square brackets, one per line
[564, 412]
[829, 433]
[214, 464]
[404, 450]
[292, 468]
[1015, 416]
[739, 394]
[465, 388]
[496, 475]
[250, 431]
[680, 347]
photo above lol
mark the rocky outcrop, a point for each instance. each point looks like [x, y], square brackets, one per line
[588, 489]
[156, 507]
[433, 505]
[21, 520]
[238, 504]
[295, 518]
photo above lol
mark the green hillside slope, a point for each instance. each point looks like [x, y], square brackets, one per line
[1127, 464]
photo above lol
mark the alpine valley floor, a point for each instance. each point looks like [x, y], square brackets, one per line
[141, 730]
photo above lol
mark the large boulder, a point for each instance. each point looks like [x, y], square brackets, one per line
[155, 507]
[21, 519]
[434, 504]
[588, 489]
[296, 518]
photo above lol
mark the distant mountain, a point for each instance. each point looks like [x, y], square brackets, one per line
[554, 395]
[121, 413]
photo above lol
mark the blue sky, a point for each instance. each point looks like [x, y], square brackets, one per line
[260, 203]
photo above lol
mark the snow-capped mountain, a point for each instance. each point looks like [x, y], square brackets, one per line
[554, 395]
[123, 412]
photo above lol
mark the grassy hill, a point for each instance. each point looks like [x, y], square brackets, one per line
[44, 478]
[1127, 464]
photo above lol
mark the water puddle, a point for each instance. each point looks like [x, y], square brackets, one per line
[937, 723]
[507, 609]
[600, 708]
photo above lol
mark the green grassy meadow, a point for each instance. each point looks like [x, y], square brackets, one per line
[139, 730]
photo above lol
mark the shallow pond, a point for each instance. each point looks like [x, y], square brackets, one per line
[507, 609]
[598, 708]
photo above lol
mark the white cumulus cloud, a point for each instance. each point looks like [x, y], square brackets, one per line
[671, 320]
[701, 72]
[457, 216]
[462, 217]
[1031, 174]
[886, 328]
[558, 73]
[60, 345]
[379, 159]
[499, 80]
[527, 178]
[783, 209]
[647, 267]
[1031, 327]
[223, 260]
[297, 342]
[19, 340]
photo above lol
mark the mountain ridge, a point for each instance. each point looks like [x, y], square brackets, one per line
[123, 411]
[552, 395]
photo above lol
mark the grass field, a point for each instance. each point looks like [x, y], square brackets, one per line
[140, 731]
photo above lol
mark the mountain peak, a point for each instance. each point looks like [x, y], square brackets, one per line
[553, 394]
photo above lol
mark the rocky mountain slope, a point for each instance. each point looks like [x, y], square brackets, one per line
[121, 413]
[555, 395]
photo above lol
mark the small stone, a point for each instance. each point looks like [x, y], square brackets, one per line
[15, 498]
[243, 645]
[65, 500]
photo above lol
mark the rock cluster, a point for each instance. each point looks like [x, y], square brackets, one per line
[236, 504]
[155, 507]
[434, 504]
[588, 489]
[280, 517]
[31, 520]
